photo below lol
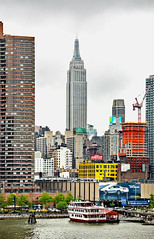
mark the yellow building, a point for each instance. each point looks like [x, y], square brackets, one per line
[102, 171]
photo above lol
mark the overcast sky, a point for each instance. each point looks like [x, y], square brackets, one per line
[116, 40]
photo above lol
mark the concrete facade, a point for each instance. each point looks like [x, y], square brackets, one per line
[85, 190]
[147, 189]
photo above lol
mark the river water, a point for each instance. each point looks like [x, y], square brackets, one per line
[65, 229]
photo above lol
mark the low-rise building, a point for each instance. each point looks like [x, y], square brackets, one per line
[102, 171]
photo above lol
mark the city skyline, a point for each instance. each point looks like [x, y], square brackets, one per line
[116, 41]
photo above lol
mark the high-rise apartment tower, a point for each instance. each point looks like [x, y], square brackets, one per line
[76, 92]
[133, 148]
[17, 112]
[150, 120]
[118, 109]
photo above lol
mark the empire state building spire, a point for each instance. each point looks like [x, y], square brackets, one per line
[76, 55]
[76, 92]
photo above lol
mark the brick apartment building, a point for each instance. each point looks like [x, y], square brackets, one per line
[17, 112]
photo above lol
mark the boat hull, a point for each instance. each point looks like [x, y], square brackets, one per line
[91, 221]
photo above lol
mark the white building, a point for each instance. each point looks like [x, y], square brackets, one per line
[64, 158]
[38, 162]
[43, 165]
[48, 167]
[64, 175]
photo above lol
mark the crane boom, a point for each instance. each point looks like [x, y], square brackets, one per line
[139, 105]
[146, 93]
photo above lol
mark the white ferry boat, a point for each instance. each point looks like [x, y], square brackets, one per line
[82, 211]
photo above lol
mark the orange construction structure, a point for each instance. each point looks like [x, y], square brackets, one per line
[133, 146]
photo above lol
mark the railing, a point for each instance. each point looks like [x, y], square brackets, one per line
[87, 213]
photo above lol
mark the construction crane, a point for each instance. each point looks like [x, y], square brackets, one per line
[139, 106]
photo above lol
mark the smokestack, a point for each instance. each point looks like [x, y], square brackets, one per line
[1, 29]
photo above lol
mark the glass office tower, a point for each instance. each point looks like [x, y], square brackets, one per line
[150, 120]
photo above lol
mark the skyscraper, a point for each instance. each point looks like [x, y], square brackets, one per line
[118, 109]
[76, 92]
[150, 120]
[17, 112]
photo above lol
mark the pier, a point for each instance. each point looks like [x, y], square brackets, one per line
[37, 216]
[135, 215]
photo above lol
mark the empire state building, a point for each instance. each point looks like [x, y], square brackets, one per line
[76, 92]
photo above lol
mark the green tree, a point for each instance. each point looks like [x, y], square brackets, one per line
[2, 201]
[78, 199]
[68, 198]
[45, 199]
[22, 200]
[138, 197]
[30, 204]
[12, 199]
[112, 204]
[152, 200]
[62, 205]
[59, 198]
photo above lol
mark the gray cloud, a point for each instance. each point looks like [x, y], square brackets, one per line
[79, 8]
[116, 39]
[111, 82]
